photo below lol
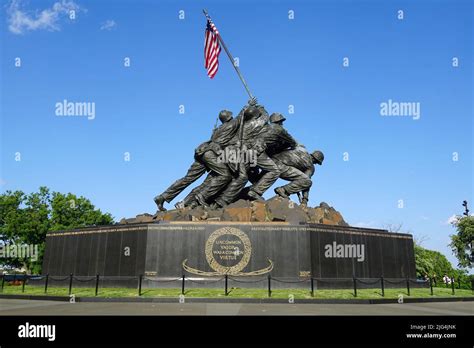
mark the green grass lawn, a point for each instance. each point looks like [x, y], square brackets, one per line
[242, 293]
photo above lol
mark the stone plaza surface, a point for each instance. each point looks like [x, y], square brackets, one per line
[28, 307]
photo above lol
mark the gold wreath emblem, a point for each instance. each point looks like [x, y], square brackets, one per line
[216, 266]
[230, 270]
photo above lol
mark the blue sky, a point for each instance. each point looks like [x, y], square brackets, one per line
[286, 62]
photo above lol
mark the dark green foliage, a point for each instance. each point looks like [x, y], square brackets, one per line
[462, 242]
[25, 219]
[435, 265]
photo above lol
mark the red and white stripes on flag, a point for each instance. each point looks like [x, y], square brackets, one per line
[212, 49]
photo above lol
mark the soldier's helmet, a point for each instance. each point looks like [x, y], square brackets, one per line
[277, 117]
[225, 116]
[318, 157]
[251, 112]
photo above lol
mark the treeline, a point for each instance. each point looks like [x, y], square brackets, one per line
[432, 264]
[26, 218]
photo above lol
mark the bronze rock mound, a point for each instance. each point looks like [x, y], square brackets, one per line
[275, 209]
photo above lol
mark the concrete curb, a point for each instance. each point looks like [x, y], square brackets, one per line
[232, 300]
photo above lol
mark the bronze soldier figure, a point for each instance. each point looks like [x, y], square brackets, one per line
[277, 154]
[297, 166]
[205, 157]
[223, 136]
[277, 137]
[255, 123]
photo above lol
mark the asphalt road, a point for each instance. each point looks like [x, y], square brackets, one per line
[36, 307]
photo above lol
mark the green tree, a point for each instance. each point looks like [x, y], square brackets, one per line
[432, 263]
[435, 265]
[69, 211]
[424, 266]
[462, 242]
[11, 222]
[26, 219]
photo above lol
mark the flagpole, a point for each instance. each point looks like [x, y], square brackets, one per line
[231, 58]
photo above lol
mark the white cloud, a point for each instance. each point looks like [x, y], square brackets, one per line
[452, 220]
[20, 21]
[109, 24]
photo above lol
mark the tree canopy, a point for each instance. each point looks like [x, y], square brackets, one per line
[462, 242]
[435, 265]
[431, 263]
[26, 218]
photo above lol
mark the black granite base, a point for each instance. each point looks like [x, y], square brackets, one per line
[242, 250]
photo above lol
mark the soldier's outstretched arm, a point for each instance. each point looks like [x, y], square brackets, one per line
[251, 102]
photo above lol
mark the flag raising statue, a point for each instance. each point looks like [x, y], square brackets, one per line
[252, 147]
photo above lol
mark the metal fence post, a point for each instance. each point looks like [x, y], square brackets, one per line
[140, 278]
[408, 286]
[97, 284]
[225, 278]
[355, 286]
[312, 287]
[452, 286]
[46, 283]
[269, 286]
[70, 283]
[23, 284]
[182, 285]
[431, 286]
[382, 286]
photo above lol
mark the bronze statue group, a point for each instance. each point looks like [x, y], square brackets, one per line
[252, 147]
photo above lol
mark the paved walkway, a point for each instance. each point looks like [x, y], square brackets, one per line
[35, 307]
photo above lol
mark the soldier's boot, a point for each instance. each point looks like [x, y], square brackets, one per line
[192, 205]
[254, 196]
[218, 203]
[215, 206]
[160, 200]
[280, 191]
[200, 200]
[179, 205]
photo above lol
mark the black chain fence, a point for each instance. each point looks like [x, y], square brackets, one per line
[228, 282]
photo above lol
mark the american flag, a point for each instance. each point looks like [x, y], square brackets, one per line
[211, 49]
